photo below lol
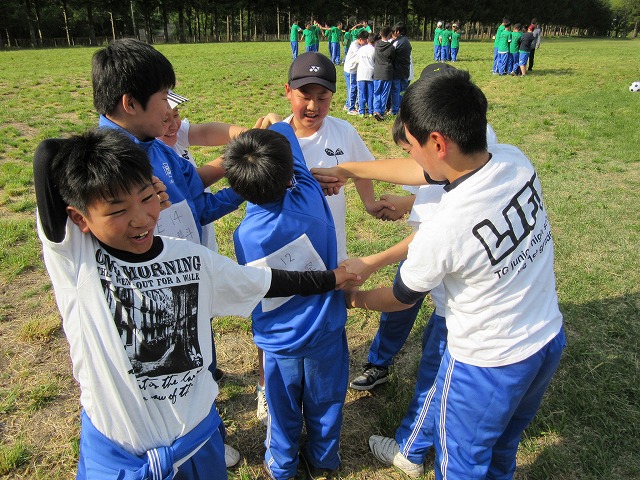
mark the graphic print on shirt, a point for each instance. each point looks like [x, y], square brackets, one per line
[155, 308]
[519, 219]
[335, 154]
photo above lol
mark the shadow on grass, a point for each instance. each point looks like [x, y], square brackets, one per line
[588, 426]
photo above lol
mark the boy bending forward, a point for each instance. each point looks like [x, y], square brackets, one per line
[136, 310]
[289, 225]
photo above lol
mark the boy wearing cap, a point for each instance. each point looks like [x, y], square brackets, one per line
[437, 46]
[326, 140]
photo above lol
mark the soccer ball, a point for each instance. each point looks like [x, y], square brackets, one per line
[634, 87]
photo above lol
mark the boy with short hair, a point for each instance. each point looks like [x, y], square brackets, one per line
[514, 48]
[401, 65]
[505, 20]
[382, 72]
[137, 310]
[490, 244]
[445, 42]
[294, 37]
[526, 48]
[324, 140]
[351, 72]
[364, 76]
[181, 134]
[131, 83]
[503, 40]
[437, 46]
[289, 224]
[309, 35]
[455, 42]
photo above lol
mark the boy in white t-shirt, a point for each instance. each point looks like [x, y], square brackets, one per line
[325, 141]
[364, 76]
[137, 308]
[490, 245]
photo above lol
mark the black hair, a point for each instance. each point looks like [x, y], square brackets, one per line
[400, 27]
[259, 165]
[363, 35]
[128, 66]
[99, 165]
[398, 132]
[373, 38]
[517, 26]
[385, 31]
[450, 104]
[447, 25]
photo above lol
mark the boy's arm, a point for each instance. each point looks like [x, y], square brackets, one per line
[52, 210]
[401, 171]
[402, 203]
[365, 266]
[286, 283]
[367, 195]
[213, 134]
[379, 299]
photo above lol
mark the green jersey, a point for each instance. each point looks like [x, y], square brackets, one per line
[446, 38]
[334, 34]
[503, 41]
[515, 42]
[317, 32]
[295, 32]
[455, 39]
[309, 37]
[500, 29]
[436, 36]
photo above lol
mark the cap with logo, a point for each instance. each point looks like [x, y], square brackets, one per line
[312, 68]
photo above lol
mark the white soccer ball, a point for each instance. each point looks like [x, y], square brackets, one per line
[634, 87]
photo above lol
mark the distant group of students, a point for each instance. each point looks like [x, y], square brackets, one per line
[514, 47]
[446, 42]
[122, 214]
[336, 35]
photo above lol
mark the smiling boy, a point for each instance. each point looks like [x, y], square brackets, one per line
[131, 82]
[136, 309]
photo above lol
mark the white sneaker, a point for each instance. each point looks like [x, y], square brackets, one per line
[263, 409]
[387, 451]
[231, 456]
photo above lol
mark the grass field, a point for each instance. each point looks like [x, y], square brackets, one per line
[573, 116]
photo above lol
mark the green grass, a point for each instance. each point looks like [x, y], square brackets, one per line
[573, 116]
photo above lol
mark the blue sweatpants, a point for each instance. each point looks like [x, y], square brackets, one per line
[351, 83]
[481, 412]
[365, 97]
[309, 389]
[381, 90]
[415, 433]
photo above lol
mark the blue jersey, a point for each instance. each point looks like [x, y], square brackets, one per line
[293, 233]
[191, 207]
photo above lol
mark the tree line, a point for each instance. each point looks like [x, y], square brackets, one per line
[45, 23]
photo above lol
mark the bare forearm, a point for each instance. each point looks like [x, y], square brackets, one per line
[379, 300]
[211, 172]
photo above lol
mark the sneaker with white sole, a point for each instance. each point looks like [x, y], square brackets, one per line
[371, 376]
[263, 409]
[231, 456]
[387, 451]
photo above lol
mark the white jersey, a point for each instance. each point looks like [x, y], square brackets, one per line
[140, 332]
[490, 244]
[365, 63]
[181, 147]
[351, 60]
[334, 143]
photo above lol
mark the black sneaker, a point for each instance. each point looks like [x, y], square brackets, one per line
[379, 117]
[316, 473]
[218, 375]
[372, 376]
